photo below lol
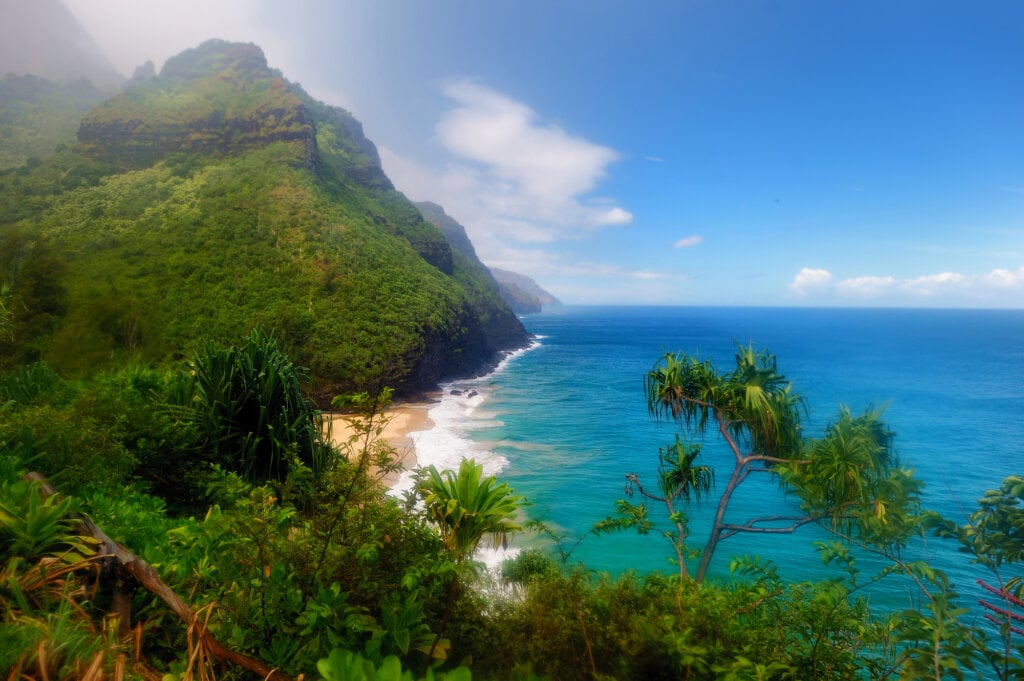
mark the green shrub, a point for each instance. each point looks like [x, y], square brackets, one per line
[249, 410]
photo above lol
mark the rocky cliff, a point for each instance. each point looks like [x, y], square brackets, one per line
[522, 293]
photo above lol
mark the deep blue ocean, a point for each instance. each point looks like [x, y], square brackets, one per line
[566, 420]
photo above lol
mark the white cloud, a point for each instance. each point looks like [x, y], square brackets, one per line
[809, 279]
[951, 288]
[933, 284]
[614, 216]
[866, 287]
[648, 275]
[511, 178]
[504, 136]
[1004, 279]
[688, 241]
[560, 265]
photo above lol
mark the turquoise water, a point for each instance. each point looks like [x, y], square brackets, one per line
[565, 421]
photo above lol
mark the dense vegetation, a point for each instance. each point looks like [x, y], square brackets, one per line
[218, 197]
[290, 554]
[171, 506]
[37, 115]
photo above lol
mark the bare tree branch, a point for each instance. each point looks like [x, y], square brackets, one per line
[753, 525]
[148, 577]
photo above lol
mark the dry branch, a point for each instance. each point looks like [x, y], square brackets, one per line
[145, 575]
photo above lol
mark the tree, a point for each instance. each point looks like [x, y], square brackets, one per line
[994, 537]
[680, 479]
[250, 410]
[466, 508]
[849, 481]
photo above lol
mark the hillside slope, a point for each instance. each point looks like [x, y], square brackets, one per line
[520, 293]
[38, 115]
[218, 197]
[51, 72]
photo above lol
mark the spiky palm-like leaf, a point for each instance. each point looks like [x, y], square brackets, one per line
[467, 507]
[681, 477]
[754, 403]
[249, 406]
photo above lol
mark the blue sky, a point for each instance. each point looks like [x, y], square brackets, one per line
[695, 153]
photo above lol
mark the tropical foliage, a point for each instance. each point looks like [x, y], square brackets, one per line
[240, 202]
[849, 480]
[172, 506]
[319, 571]
[248, 407]
[466, 508]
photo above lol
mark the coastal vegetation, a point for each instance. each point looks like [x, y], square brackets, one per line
[216, 259]
[849, 480]
[313, 568]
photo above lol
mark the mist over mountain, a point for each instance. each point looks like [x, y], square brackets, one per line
[521, 293]
[51, 73]
[217, 197]
[42, 38]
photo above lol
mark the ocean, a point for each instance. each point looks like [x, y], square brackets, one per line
[564, 421]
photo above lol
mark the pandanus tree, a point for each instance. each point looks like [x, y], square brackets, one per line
[467, 508]
[847, 481]
[680, 479]
[250, 411]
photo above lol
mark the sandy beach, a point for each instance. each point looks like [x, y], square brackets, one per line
[403, 419]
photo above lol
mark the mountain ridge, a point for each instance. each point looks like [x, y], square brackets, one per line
[218, 196]
[521, 293]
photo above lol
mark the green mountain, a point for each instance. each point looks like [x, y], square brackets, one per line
[217, 197]
[520, 293]
[38, 115]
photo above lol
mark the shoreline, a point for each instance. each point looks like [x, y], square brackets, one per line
[403, 421]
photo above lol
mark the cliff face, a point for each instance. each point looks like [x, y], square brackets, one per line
[217, 196]
[220, 98]
[497, 320]
[522, 293]
[519, 292]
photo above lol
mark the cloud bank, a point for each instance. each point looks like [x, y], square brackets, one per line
[512, 179]
[944, 286]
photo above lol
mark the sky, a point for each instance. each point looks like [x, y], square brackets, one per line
[705, 152]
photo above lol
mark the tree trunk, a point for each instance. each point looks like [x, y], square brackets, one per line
[719, 524]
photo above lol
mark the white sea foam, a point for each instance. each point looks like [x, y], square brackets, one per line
[456, 415]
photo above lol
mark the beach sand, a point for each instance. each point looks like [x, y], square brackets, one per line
[404, 418]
